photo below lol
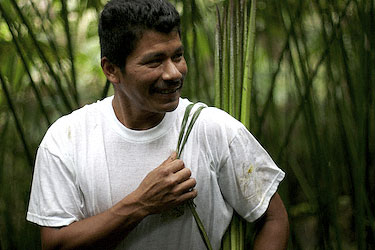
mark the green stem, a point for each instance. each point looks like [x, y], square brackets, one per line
[19, 51]
[184, 135]
[232, 58]
[249, 68]
[64, 11]
[43, 56]
[225, 71]
[200, 225]
[17, 121]
[218, 59]
[183, 126]
[51, 37]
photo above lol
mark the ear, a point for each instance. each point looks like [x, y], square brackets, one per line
[110, 70]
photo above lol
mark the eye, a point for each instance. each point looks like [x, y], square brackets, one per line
[154, 63]
[177, 57]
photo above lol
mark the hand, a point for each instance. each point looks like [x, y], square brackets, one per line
[167, 186]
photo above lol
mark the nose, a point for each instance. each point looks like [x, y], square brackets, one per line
[171, 72]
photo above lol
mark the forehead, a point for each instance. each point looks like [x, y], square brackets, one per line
[154, 41]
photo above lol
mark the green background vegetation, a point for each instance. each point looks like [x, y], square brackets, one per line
[312, 103]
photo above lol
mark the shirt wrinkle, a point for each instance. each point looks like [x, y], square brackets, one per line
[99, 167]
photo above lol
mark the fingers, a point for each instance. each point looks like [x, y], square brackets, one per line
[170, 184]
[171, 158]
[175, 166]
[186, 186]
[172, 164]
[188, 195]
[180, 180]
[182, 174]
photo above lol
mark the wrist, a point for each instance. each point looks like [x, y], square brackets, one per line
[130, 207]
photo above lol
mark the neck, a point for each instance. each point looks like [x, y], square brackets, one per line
[133, 119]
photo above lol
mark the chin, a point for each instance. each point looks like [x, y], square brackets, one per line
[166, 103]
[172, 105]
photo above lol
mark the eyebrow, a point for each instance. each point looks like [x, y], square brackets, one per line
[154, 55]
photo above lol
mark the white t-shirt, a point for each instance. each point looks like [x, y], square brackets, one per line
[88, 161]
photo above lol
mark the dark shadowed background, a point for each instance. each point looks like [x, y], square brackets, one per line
[312, 104]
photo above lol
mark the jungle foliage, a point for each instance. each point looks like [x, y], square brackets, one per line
[312, 102]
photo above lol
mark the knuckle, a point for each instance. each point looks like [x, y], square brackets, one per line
[164, 172]
[180, 162]
[171, 182]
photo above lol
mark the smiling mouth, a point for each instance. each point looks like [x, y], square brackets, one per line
[168, 91]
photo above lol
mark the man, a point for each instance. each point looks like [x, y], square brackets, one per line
[107, 176]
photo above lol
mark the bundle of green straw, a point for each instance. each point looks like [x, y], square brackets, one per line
[234, 53]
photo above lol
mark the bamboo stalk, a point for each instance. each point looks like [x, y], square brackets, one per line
[240, 23]
[232, 75]
[241, 237]
[218, 59]
[234, 233]
[17, 121]
[221, 79]
[249, 68]
[23, 42]
[245, 29]
[43, 57]
[51, 41]
[32, 83]
[225, 72]
[326, 216]
[188, 88]
[64, 11]
[225, 243]
[269, 98]
[195, 46]
[334, 219]
[232, 57]
[309, 83]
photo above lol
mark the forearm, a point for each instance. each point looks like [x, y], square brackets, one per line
[102, 231]
[167, 186]
[274, 231]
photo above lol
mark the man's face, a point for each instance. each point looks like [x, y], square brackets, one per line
[154, 73]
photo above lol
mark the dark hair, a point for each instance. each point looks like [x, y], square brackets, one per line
[122, 23]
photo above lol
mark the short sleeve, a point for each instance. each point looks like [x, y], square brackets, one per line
[55, 198]
[248, 178]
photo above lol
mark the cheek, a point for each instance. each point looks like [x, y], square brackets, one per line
[182, 67]
[146, 77]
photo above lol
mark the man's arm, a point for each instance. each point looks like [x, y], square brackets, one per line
[102, 231]
[165, 187]
[274, 230]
